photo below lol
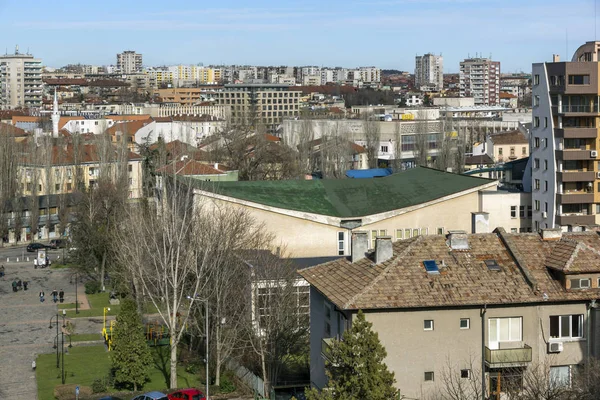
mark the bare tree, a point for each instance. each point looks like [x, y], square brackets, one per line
[397, 164]
[9, 183]
[460, 383]
[372, 138]
[422, 143]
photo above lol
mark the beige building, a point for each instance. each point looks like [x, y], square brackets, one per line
[493, 308]
[266, 104]
[316, 218]
[504, 146]
[20, 80]
[129, 62]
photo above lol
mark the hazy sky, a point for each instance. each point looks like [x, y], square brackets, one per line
[385, 33]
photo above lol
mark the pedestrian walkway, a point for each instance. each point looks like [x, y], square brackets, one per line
[24, 331]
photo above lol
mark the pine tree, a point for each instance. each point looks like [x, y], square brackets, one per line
[355, 367]
[130, 354]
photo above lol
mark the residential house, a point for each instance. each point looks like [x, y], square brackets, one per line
[508, 100]
[191, 168]
[481, 308]
[504, 146]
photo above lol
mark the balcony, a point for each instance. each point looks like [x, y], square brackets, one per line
[577, 176]
[575, 219]
[518, 357]
[579, 197]
[576, 133]
[326, 347]
[578, 109]
[574, 154]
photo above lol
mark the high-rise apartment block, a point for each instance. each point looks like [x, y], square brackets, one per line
[129, 62]
[564, 140]
[480, 79]
[20, 80]
[429, 72]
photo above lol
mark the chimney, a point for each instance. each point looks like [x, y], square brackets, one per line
[458, 240]
[555, 58]
[217, 165]
[360, 245]
[383, 249]
[551, 234]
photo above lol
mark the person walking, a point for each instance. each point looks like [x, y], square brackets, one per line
[19, 284]
[14, 286]
[35, 263]
[41, 297]
[54, 295]
[25, 283]
[2, 271]
[61, 295]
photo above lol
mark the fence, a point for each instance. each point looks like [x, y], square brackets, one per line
[246, 376]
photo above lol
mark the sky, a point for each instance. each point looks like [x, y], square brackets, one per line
[348, 33]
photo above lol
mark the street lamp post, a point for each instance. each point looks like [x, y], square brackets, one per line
[62, 349]
[63, 325]
[205, 301]
[76, 274]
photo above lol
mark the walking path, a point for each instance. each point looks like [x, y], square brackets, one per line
[24, 322]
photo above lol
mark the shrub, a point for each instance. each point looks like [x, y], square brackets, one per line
[227, 385]
[99, 386]
[92, 287]
[67, 392]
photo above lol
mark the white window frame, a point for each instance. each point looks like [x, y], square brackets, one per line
[511, 321]
[430, 323]
[341, 243]
[468, 320]
[570, 336]
[580, 280]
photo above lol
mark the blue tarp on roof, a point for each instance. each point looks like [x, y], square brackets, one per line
[368, 173]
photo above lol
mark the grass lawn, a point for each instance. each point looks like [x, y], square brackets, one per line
[85, 337]
[97, 303]
[86, 363]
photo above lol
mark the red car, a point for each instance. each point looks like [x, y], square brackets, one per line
[187, 394]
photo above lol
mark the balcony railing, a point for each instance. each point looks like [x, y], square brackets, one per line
[508, 357]
[579, 197]
[577, 176]
[575, 219]
[579, 108]
[576, 132]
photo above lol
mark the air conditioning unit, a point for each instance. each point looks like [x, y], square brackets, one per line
[544, 214]
[593, 154]
[555, 347]
[598, 175]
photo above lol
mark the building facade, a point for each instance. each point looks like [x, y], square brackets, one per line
[254, 104]
[480, 79]
[564, 136]
[129, 62]
[20, 80]
[429, 71]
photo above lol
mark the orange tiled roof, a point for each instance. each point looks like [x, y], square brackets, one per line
[190, 168]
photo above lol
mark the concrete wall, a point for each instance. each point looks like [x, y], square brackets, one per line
[498, 204]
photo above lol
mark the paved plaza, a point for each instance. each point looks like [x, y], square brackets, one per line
[24, 322]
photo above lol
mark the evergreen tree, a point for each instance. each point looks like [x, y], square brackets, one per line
[355, 367]
[130, 354]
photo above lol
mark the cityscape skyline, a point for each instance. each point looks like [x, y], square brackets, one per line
[290, 35]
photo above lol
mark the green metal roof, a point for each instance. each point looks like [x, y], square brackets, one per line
[348, 198]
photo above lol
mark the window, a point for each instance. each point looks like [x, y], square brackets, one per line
[465, 323]
[327, 311]
[429, 376]
[513, 211]
[512, 151]
[545, 186]
[536, 122]
[580, 283]
[579, 79]
[56, 187]
[415, 232]
[69, 186]
[546, 206]
[536, 142]
[545, 165]
[566, 326]
[536, 163]
[537, 205]
[465, 373]
[523, 150]
[500, 151]
[407, 234]
[428, 325]
[536, 79]
[384, 149]
[399, 235]
[560, 376]
[341, 244]
[536, 100]
[513, 230]
[505, 329]
[522, 211]
[130, 168]
[440, 231]
[492, 265]
[529, 212]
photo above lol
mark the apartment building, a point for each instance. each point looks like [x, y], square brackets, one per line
[491, 310]
[429, 72]
[20, 80]
[480, 79]
[565, 170]
[266, 104]
[129, 62]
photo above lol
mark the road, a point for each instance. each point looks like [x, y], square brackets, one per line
[24, 331]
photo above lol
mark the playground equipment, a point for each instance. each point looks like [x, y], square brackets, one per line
[155, 333]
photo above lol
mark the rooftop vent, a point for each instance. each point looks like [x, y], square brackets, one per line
[492, 265]
[383, 249]
[458, 240]
[551, 234]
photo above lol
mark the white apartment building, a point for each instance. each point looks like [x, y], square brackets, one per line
[129, 62]
[480, 79]
[20, 80]
[564, 135]
[429, 71]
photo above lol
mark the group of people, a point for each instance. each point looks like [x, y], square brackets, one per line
[17, 284]
[56, 296]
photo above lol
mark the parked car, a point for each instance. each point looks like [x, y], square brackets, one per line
[110, 398]
[58, 243]
[151, 396]
[187, 394]
[33, 247]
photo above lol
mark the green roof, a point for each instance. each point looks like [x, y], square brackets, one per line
[348, 198]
